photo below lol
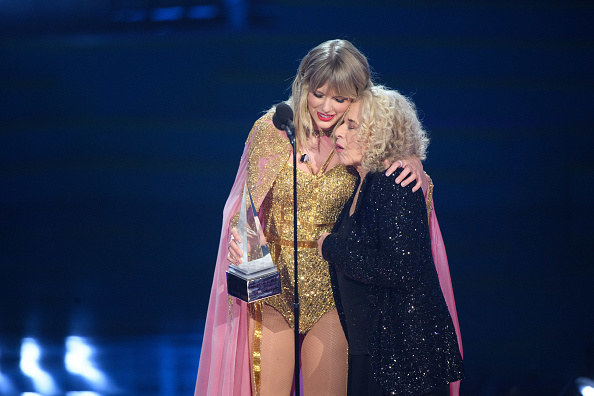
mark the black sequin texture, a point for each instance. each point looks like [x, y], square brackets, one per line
[385, 245]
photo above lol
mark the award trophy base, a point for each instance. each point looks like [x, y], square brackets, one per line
[256, 277]
[253, 286]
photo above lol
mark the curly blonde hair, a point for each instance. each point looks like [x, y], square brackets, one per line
[389, 128]
[336, 62]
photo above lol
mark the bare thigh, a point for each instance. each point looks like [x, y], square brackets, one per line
[324, 358]
[324, 355]
[277, 353]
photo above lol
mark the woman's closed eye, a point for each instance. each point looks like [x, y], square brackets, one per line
[339, 99]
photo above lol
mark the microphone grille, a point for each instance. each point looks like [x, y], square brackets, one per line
[282, 115]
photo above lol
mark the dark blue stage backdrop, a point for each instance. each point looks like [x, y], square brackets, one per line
[121, 128]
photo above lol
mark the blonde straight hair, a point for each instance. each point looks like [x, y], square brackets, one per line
[336, 62]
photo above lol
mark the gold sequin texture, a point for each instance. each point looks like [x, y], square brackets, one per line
[320, 199]
[269, 151]
[429, 199]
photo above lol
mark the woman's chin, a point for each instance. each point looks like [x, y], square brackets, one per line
[324, 127]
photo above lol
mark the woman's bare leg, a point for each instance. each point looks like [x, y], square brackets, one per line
[324, 355]
[277, 353]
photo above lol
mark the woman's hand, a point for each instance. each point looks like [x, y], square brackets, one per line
[321, 242]
[235, 253]
[412, 170]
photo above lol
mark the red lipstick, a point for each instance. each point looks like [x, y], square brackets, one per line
[325, 117]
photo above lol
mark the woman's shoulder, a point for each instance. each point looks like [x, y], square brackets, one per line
[265, 118]
[380, 180]
[264, 127]
[382, 185]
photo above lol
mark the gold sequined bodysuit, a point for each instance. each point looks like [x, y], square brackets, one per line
[320, 198]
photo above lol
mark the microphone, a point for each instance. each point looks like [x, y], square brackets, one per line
[283, 119]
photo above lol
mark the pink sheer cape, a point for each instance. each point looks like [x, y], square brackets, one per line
[224, 367]
[443, 271]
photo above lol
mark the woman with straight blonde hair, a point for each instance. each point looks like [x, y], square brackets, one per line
[249, 348]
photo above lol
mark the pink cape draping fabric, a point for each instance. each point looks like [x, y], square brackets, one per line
[224, 368]
[443, 271]
[224, 359]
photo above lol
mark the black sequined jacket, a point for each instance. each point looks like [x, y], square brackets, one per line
[412, 342]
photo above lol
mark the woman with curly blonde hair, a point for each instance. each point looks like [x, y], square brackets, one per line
[401, 336]
[390, 128]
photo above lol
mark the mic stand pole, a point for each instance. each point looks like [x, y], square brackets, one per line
[296, 306]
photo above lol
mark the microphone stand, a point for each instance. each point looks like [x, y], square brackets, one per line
[296, 306]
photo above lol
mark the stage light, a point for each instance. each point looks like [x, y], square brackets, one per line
[78, 360]
[585, 386]
[168, 14]
[29, 364]
[6, 386]
[587, 391]
[203, 12]
[82, 393]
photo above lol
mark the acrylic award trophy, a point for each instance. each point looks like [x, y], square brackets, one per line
[256, 277]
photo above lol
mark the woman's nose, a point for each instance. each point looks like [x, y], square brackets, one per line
[327, 105]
